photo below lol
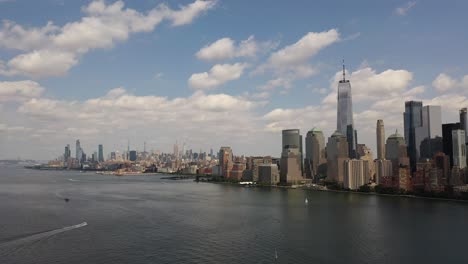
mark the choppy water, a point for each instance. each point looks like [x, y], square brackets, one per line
[145, 219]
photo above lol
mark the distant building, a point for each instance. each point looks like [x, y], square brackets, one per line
[383, 168]
[290, 172]
[225, 161]
[101, 153]
[396, 152]
[133, 155]
[337, 154]
[292, 138]
[380, 132]
[431, 127]
[268, 174]
[237, 170]
[351, 138]
[464, 122]
[252, 164]
[113, 155]
[442, 162]
[364, 153]
[447, 139]
[412, 120]
[66, 155]
[459, 148]
[345, 106]
[430, 146]
[79, 151]
[356, 173]
[315, 161]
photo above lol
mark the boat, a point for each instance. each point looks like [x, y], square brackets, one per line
[276, 255]
[306, 201]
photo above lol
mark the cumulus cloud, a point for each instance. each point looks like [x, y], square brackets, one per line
[218, 75]
[19, 90]
[403, 10]
[52, 50]
[367, 84]
[444, 83]
[292, 62]
[226, 48]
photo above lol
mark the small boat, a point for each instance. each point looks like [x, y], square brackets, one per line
[276, 255]
[306, 201]
[66, 200]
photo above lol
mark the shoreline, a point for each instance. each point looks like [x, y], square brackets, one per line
[352, 192]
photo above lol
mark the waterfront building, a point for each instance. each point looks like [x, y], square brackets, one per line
[79, 151]
[315, 164]
[464, 122]
[364, 153]
[337, 154]
[431, 127]
[351, 138]
[268, 174]
[290, 163]
[237, 170]
[383, 168]
[133, 155]
[380, 132]
[430, 146]
[345, 105]
[459, 148]
[396, 151]
[447, 141]
[252, 163]
[66, 155]
[356, 174]
[292, 138]
[101, 153]
[113, 155]
[225, 161]
[412, 120]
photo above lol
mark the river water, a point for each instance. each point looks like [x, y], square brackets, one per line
[146, 219]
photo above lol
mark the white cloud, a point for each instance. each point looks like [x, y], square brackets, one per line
[444, 83]
[292, 62]
[103, 26]
[367, 84]
[403, 10]
[218, 75]
[19, 90]
[226, 48]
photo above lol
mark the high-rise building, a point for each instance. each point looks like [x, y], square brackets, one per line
[459, 148]
[315, 154]
[431, 127]
[225, 161]
[337, 153]
[268, 174]
[464, 122]
[356, 174]
[345, 105]
[66, 154]
[396, 152]
[447, 139]
[364, 153]
[380, 131]
[292, 138]
[113, 155]
[351, 138]
[383, 168]
[290, 165]
[132, 155]
[412, 120]
[101, 153]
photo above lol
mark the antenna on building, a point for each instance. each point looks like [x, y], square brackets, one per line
[344, 79]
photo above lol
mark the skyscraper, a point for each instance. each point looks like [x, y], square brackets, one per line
[380, 131]
[291, 138]
[79, 151]
[315, 153]
[345, 105]
[66, 155]
[459, 148]
[431, 127]
[396, 152]
[447, 141]
[464, 122]
[290, 165]
[225, 161]
[101, 153]
[351, 138]
[337, 153]
[356, 174]
[412, 120]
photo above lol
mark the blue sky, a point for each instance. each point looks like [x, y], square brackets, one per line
[54, 79]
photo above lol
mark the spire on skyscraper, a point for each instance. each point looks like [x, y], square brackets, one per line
[344, 74]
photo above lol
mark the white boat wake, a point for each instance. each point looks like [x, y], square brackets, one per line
[39, 236]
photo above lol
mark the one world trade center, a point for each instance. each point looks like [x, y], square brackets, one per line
[345, 124]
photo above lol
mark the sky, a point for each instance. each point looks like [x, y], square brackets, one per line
[212, 73]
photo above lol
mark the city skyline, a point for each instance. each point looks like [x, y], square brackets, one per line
[235, 86]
